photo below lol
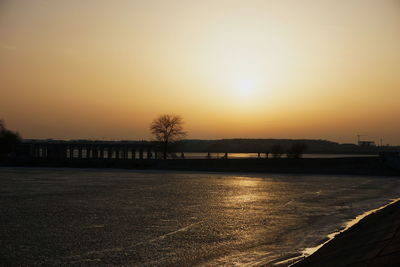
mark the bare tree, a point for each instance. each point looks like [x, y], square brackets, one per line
[167, 128]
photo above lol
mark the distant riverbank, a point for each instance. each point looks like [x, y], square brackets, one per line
[354, 165]
[214, 155]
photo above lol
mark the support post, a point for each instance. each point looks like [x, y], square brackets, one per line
[79, 152]
[117, 153]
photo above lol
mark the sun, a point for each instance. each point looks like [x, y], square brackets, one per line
[245, 88]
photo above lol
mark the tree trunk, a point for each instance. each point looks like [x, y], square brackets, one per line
[165, 148]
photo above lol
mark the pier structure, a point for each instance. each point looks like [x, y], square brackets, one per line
[93, 150]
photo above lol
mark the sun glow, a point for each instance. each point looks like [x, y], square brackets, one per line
[245, 88]
[276, 68]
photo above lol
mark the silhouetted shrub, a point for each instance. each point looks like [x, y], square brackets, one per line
[276, 151]
[296, 151]
[9, 140]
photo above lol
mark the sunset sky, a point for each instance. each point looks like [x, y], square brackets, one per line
[254, 69]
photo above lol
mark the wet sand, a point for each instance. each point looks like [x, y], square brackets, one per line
[374, 241]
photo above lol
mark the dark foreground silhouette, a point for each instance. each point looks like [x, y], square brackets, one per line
[356, 165]
[374, 241]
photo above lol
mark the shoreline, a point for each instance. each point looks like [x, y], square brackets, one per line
[308, 252]
[370, 166]
[370, 239]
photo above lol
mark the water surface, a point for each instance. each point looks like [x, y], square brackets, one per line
[90, 217]
[199, 155]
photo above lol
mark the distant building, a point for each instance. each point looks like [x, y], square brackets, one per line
[366, 143]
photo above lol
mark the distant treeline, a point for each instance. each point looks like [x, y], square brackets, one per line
[267, 145]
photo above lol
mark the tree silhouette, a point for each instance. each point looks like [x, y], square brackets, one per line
[296, 151]
[9, 140]
[276, 151]
[167, 128]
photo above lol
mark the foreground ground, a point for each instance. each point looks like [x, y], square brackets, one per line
[374, 241]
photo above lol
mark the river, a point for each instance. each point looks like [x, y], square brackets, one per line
[158, 218]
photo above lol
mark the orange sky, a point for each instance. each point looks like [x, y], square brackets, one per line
[254, 69]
